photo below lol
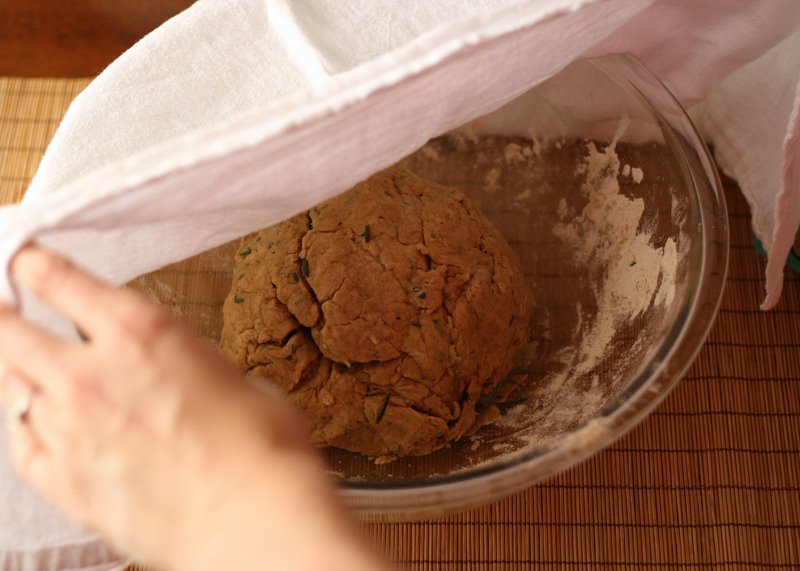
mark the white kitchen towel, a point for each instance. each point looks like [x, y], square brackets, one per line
[164, 155]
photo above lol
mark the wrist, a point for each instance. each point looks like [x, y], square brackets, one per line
[265, 501]
[275, 512]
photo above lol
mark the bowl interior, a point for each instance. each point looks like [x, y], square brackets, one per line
[587, 178]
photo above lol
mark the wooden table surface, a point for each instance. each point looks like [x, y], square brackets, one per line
[74, 38]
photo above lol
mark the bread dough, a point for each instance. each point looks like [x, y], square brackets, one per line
[387, 314]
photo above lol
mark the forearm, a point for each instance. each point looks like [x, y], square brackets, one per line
[275, 511]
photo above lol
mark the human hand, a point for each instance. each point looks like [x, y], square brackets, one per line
[146, 435]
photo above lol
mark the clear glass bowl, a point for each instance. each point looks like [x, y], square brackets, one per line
[601, 184]
[608, 342]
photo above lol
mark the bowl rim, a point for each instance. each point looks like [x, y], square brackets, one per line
[470, 487]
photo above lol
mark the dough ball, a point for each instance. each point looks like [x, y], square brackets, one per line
[386, 314]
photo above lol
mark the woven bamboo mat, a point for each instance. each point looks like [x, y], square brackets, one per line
[710, 480]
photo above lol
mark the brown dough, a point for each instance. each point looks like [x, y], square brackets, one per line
[388, 314]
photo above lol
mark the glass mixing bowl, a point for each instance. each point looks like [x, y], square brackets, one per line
[600, 182]
[603, 187]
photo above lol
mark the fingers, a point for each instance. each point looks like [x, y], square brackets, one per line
[12, 388]
[94, 306]
[27, 451]
[41, 417]
[28, 454]
[33, 352]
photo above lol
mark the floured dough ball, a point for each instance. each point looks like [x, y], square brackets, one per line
[388, 314]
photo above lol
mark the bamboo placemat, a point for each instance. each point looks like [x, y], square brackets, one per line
[710, 480]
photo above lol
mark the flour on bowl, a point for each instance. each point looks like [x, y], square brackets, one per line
[628, 271]
[628, 275]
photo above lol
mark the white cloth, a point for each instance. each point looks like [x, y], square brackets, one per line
[164, 155]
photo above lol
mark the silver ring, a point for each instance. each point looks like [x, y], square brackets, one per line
[21, 409]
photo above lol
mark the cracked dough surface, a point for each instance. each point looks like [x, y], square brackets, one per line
[387, 314]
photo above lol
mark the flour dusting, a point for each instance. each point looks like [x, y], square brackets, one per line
[629, 272]
[612, 248]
